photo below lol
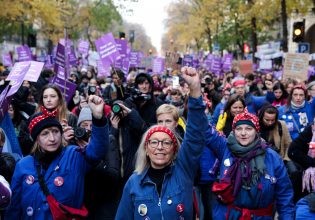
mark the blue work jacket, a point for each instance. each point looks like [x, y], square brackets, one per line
[140, 198]
[274, 187]
[70, 167]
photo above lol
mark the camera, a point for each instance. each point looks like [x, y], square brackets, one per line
[82, 134]
[117, 110]
[137, 95]
[91, 90]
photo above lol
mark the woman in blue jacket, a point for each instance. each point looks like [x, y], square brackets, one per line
[298, 113]
[253, 178]
[60, 169]
[162, 185]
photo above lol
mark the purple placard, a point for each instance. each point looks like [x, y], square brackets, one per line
[49, 62]
[60, 57]
[24, 53]
[29, 69]
[311, 71]
[6, 59]
[187, 60]
[19, 70]
[216, 65]
[107, 49]
[4, 102]
[195, 63]
[134, 58]
[103, 70]
[84, 47]
[122, 49]
[17, 80]
[278, 74]
[158, 65]
[65, 85]
[227, 62]
[125, 66]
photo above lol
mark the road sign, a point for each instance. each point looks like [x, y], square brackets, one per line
[304, 48]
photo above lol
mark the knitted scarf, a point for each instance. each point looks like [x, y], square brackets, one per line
[296, 107]
[248, 162]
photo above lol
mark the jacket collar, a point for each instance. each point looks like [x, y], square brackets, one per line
[144, 178]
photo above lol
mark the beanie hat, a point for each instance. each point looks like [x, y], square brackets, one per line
[85, 115]
[42, 120]
[246, 118]
[239, 82]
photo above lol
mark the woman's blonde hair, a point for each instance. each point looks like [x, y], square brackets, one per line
[168, 109]
[142, 159]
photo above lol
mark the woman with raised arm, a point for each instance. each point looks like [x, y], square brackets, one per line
[162, 185]
[49, 183]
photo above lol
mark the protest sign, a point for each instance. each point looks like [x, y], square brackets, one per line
[245, 67]
[296, 66]
[103, 70]
[187, 60]
[107, 49]
[83, 47]
[158, 65]
[29, 69]
[66, 86]
[6, 59]
[24, 53]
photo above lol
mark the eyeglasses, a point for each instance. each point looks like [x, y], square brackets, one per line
[155, 143]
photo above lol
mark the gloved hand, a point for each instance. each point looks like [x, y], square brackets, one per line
[221, 122]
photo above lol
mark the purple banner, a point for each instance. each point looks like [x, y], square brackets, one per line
[158, 65]
[134, 59]
[227, 62]
[216, 65]
[125, 66]
[84, 47]
[29, 69]
[187, 60]
[66, 87]
[6, 59]
[24, 53]
[107, 49]
[49, 62]
[60, 57]
[122, 49]
[4, 102]
[103, 70]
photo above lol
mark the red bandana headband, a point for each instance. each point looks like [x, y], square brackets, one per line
[246, 116]
[161, 129]
[45, 114]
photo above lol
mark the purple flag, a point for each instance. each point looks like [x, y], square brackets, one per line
[66, 86]
[6, 59]
[227, 62]
[103, 70]
[187, 60]
[34, 71]
[158, 65]
[107, 49]
[134, 59]
[49, 62]
[24, 53]
[84, 47]
[216, 65]
[17, 79]
[125, 66]
[4, 102]
[122, 49]
[60, 57]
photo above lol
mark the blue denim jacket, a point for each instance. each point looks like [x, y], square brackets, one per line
[28, 200]
[140, 198]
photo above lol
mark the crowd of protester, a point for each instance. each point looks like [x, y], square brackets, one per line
[141, 146]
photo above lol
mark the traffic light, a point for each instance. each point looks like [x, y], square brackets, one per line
[131, 36]
[298, 31]
[122, 35]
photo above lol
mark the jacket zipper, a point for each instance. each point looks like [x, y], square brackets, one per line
[121, 153]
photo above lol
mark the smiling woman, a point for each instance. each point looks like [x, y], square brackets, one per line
[162, 185]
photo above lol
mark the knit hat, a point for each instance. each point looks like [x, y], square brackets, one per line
[246, 118]
[85, 115]
[43, 120]
[239, 82]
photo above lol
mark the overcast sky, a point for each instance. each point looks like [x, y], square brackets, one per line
[149, 13]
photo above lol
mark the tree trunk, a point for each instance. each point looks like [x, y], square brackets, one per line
[284, 18]
[208, 32]
[254, 38]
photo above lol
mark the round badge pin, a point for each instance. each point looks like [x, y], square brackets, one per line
[58, 181]
[29, 179]
[180, 208]
[29, 211]
[146, 218]
[290, 117]
[142, 209]
[284, 116]
[227, 162]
